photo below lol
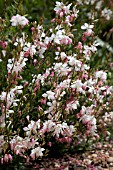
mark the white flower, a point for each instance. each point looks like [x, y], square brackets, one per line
[63, 93]
[30, 48]
[4, 52]
[32, 127]
[74, 62]
[101, 74]
[11, 96]
[60, 6]
[49, 95]
[37, 152]
[18, 89]
[93, 48]
[107, 13]
[88, 119]
[17, 65]
[99, 5]
[78, 86]
[85, 67]
[72, 105]
[75, 11]
[58, 130]
[19, 20]
[63, 129]
[63, 55]
[20, 41]
[48, 126]
[60, 37]
[3, 96]
[87, 27]
[72, 129]
[87, 2]
[62, 69]
[65, 83]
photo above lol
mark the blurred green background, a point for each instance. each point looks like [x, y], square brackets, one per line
[35, 9]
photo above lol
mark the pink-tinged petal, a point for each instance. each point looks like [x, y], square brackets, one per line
[32, 156]
[17, 152]
[10, 157]
[25, 129]
[2, 160]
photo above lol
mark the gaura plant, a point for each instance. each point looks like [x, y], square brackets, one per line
[50, 97]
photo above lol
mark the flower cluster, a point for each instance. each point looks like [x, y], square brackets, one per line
[51, 95]
[19, 20]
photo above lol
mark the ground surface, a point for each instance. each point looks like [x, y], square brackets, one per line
[100, 158]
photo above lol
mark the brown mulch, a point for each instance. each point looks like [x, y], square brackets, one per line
[99, 158]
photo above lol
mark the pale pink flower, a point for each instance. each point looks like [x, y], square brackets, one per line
[107, 13]
[101, 74]
[87, 27]
[32, 127]
[37, 152]
[19, 20]
[60, 7]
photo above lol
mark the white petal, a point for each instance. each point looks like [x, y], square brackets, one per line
[83, 27]
[86, 25]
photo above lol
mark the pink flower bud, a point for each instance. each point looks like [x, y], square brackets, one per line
[77, 116]
[17, 152]
[53, 20]
[84, 38]
[6, 158]
[3, 108]
[33, 28]
[35, 89]
[84, 87]
[43, 101]
[111, 64]
[100, 83]
[49, 144]
[2, 160]
[58, 48]
[26, 54]
[19, 113]
[54, 84]
[35, 61]
[33, 156]
[24, 97]
[85, 76]
[3, 44]
[28, 117]
[104, 94]
[26, 84]
[87, 34]
[52, 74]
[12, 146]
[39, 108]
[69, 41]
[61, 14]
[10, 157]
[27, 159]
[20, 77]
